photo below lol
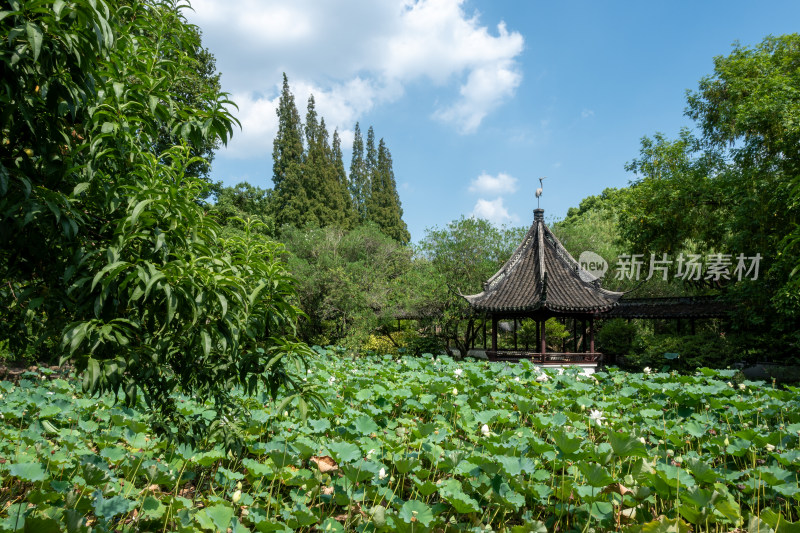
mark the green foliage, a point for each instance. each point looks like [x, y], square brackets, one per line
[598, 226]
[359, 178]
[383, 204]
[291, 199]
[706, 348]
[233, 206]
[103, 241]
[348, 282]
[312, 188]
[556, 333]
[616, 337]
[751, 106]
[457, 260]
[734, 189]
[674, 204]
[343, 207]
[417, 343]
[189, 90]
[396, 448]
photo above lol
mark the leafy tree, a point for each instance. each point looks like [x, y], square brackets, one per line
[674, 198]
[595, 226]
[234, 206]
[348, 282]
[750, 107]
[103, 239]
[461, 257]
[291, 205]
[359, 177]
[189, 90]
[734, 189]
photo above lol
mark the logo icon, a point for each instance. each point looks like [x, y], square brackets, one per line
[592, 265]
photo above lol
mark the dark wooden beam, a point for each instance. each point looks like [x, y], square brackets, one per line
[543, 349]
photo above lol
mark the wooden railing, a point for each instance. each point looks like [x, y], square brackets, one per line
[550, 358]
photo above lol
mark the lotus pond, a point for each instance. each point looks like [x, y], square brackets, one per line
[418, 445]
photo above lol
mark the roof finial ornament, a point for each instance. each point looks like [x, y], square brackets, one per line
[539, 191]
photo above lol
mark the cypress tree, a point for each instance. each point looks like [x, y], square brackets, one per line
[359, 179]
[370, 162]
[384, 206]
[314, 167]
[290, 205]
[346, 215]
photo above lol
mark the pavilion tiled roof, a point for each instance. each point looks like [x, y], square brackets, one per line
[541, 275]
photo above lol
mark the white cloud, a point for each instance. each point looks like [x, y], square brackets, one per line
[258, 119]
[586, 113]
[486, 88]
[355, 55]
[494, 211]
[488, 184]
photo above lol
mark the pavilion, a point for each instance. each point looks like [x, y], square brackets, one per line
[540, 281]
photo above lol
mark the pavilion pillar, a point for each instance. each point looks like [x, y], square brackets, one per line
[691, 324]
[484, 333]
[591, 334]
[584, 346]
[494, 333]
[574, 335]
[515, 333]
[543, 344]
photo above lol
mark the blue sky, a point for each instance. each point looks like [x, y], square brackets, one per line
[477, 99]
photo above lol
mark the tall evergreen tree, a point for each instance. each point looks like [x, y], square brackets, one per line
[370, 162]
[315, 167]
[383, 206]
[346, 215]
[290, 205]
[359, 179]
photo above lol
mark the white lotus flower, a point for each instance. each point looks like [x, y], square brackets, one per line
[458, 372]
[641, 439]
[646, 370]
[236, 496]
[596, 415]
[331, 380]
[769, 447]
[560, 371]
[485, 430]
[455, 391]
[542, 377]
[516, 379]
[742, 386]
[370, 452]
[382, 473]
[730, 384]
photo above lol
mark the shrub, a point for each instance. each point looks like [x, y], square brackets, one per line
[706, 348]
[616, 337]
